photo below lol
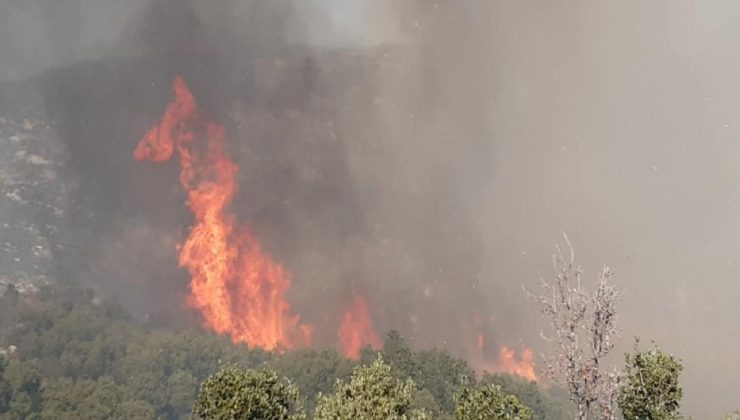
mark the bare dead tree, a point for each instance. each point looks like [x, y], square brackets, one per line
[583, 327]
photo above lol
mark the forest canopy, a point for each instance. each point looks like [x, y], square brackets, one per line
[67, 354]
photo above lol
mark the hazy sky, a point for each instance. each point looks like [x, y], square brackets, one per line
[619, 123]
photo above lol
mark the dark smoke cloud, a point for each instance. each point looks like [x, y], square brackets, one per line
[426, 154]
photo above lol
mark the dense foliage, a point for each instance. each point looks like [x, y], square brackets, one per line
[372, 393]
[544, 403]
[66, 354]
[234, 393]
[488, 402]
[651, 390]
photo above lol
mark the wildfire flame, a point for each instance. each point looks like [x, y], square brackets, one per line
[357, 329]
[238, 288]
[524, 367]
[507, 361]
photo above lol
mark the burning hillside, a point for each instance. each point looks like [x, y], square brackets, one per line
[322, 188]
[238, 289]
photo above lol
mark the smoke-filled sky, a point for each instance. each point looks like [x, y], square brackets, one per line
[454, 163]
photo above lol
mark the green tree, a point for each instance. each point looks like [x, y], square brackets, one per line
[24, 379]
[85, 399]
[399, 355]
[545, 403]
[442, 375]
[735, 415]
[488, 402]
[651, 389]
[183, 388]
[314, 372]
[435, 372]
[372, 393]
[23, 406]
[6, 391]
[425, 402]
[237, 394]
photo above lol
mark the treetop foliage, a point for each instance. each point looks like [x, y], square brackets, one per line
[488, 402]
[651, 389]
[234, 393]
[372, 393]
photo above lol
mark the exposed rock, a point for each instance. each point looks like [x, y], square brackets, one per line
[32, 202]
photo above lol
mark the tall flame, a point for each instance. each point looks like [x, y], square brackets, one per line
[238, 288]
[357, 329]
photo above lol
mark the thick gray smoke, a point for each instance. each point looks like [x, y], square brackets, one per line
[426, 154]
[617, 124]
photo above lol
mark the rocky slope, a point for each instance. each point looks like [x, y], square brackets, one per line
[32, 202]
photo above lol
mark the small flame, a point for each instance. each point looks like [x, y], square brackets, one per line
[507, 361]
[524, 367]
[357, 329]
[238, 288]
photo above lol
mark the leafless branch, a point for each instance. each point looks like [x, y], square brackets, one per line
[583, 327]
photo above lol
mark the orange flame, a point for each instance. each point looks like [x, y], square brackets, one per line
[507, 361]
[524, 367]
[357, 329]
[238, 288]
